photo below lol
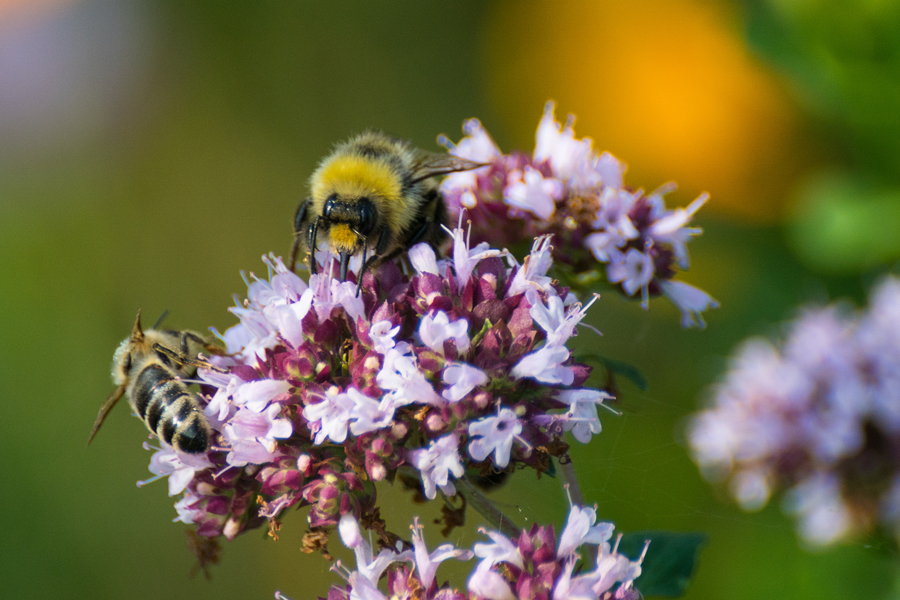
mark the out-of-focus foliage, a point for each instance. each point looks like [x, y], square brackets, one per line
[842, 60]
[846, 223]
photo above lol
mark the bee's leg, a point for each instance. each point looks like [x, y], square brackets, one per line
[183, 359]
[184, 343]
[376, 258]
[383, 240]
[299, 222]
[379, 256]
[104, 410]
[362, 265]
[409, 243]
[205, 343]
[300, 217]
[362, 269]
[313, 232]
[295, 248]
[419, 235]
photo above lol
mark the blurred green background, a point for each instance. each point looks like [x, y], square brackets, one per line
[149, 151]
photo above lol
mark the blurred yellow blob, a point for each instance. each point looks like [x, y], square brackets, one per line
[667, 86]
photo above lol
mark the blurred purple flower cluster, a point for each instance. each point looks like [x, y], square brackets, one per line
[819, 416]
[566, 189]
[460, 367]
[532, 566]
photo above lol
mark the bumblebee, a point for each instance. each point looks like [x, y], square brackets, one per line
[148, 368]
[373, 195]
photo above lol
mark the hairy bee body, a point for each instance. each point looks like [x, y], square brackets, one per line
[148, 368]
[376, 196]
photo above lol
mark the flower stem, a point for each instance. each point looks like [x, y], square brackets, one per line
[571, 480]
[486, 508]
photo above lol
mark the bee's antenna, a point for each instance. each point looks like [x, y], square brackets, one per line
[160, 319]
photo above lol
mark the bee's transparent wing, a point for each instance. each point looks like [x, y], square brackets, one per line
[434, 164]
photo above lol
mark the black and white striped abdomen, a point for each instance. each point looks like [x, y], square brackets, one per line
[170, 410]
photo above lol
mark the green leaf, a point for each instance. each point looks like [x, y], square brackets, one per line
[628, 371]
[669, 563]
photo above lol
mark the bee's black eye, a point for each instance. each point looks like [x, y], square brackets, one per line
[330, 205]
[366, 214]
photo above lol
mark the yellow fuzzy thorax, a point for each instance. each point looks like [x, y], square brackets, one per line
[342, 239]
[355, 177]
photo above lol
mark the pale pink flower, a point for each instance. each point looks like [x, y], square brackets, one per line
[691, 301]
[545, 365]
[253, 435]
[178, 466]
[669, 226]
[488, 584]
[465, 259]
[580, 529]
[532, 274]
[330, 418]
[435, 330]
[369, 566]
[436, 463]
[532, 192]
[256, 395]
[423, 259]
[369, 414]
[427, 563]
[383, 335]
[582, 419]
[401, 376]
[554, 319]
[187, 514]
[494, 435]
[634, 271]
[463, 378]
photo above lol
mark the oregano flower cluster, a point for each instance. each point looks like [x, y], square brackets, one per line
[459, 367]
[603, 229]
[450, 367]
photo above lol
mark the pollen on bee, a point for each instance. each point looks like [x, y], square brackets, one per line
[341, 238]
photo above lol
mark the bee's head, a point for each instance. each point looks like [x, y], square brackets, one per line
[350, 222]
[352, 195]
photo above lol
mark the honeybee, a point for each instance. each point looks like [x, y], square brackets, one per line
[148, 368]
[374, 195]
